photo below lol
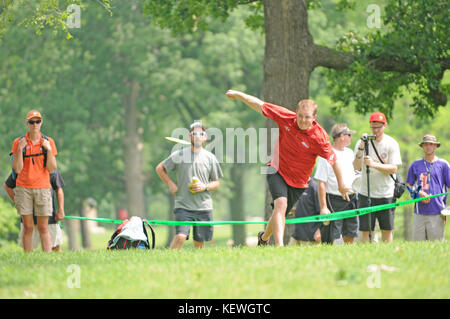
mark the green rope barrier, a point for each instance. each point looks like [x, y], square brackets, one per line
[309, 219]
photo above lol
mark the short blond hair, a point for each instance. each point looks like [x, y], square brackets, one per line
[308, 104]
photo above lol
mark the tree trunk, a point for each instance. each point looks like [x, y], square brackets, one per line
[171, 229]
[237, 175]
[133, 154]
[288, 60]
[407, 225]
[85, 234]
[72, 226]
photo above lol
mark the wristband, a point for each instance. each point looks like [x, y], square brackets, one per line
[361, 149]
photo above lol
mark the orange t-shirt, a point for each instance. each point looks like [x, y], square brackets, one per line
[33, 174]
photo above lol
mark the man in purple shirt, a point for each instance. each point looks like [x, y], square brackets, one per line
[430, 175]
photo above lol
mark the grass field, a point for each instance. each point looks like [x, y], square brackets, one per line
[404, 270]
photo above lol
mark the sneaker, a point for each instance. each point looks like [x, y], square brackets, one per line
[262, 242]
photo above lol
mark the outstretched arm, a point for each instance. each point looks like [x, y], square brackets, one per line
[250, 100]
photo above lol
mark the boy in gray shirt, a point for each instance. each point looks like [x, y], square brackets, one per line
[198, 173]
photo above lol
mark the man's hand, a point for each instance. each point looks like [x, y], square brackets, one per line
[317, 236]
[198, 187]
[232, 94]
[46, 144]
[344, 192]
[60, 215]
[423, 194]
[22, 143]
[173, 188]
[368, 161]
[325, 211]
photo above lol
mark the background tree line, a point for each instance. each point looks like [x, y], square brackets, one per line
[112, 92]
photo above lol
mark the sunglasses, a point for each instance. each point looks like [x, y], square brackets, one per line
[31, 122]
[376, 127]
[198, 133]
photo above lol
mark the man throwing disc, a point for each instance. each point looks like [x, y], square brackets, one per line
[301, 139]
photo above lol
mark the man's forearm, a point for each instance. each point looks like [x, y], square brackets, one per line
[162, 173]
[252, 101]
[17, 164]
[60, 198]
[385, 168]
[212, 186]
[357, 162]
[51, 162]
[322, 190]
[338, 173]
[9, 191]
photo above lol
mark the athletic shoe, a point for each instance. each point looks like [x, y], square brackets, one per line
[262, 242]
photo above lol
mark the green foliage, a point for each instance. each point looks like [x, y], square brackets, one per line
[415, 34]
[41, 14]
[9, 226]
[192, 15]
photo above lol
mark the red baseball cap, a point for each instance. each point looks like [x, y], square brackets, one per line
[378, 117]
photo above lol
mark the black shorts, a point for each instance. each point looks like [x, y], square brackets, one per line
[347, 227]
[201, 233]
[278, 188]
[306, 231]
[385, 217]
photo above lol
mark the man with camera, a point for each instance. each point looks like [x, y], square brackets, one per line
[377, 186]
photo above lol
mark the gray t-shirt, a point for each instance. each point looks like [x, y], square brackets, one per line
[187, 164]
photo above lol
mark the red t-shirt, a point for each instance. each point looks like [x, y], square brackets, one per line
[33, 174]
[297, 149]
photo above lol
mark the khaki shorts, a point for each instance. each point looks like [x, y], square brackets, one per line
[55, 235]
[429, 227]
[37, 200]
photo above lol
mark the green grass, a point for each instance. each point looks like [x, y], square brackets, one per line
[422, 271]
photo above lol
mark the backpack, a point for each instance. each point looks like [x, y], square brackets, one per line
[44, 152]
[131, 233]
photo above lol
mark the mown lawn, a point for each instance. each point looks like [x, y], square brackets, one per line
[410, 270]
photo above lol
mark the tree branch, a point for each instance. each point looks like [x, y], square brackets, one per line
[339, 60]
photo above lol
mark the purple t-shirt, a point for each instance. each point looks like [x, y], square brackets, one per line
[435, 179]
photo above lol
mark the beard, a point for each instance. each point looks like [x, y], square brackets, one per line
[197, 144]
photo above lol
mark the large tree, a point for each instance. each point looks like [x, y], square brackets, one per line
[372, 70]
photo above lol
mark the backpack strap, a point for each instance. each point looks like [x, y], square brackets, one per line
[44, 152]
[152, 230]
[376, 152]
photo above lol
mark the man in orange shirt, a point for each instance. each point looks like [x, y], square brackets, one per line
[33, 161]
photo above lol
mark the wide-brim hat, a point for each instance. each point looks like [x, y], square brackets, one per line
[428, 138]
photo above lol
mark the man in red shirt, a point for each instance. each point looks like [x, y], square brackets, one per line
[301, 139]
[33, 188]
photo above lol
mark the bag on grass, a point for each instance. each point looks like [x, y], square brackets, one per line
[131, 233]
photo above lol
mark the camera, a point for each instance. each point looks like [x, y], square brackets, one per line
[368, 137]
